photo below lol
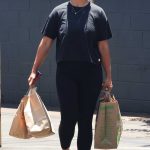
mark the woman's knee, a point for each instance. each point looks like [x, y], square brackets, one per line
[69, 122]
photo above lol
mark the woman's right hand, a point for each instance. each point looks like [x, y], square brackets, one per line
[32, 79]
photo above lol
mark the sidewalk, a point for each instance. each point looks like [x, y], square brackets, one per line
[136, 134]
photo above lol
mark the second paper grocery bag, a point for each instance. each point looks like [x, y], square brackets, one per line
[109, 126]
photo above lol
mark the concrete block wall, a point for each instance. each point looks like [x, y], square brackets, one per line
[20, 26]
[130, 51]
[20, 33]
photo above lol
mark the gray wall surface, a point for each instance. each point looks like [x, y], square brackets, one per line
[21, 22]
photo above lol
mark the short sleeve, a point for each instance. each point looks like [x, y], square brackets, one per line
[50, 28]
[103, 30]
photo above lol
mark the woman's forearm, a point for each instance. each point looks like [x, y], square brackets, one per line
[42, 53]
[106, 64]
[106, 60]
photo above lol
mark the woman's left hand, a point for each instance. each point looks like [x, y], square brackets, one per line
[107, 84]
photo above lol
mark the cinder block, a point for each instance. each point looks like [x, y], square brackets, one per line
[53, 83]
[10, 82]
[109, 5]
[10, 97]
[45, 83]
[145, 73]
[144, 57]
[121, 89]
[19, 5]
[127, 39]
[54, 100]
[144, 61]
[135, 6]
[145, 5]
[124, 55]
[35, 35]
[10, 51]
[55, 3]
[23, 83]
[130, 56]
[30, 19]
[25, 68]
[49, 99]
[139, 91]
[14, 5]
[14, 66]
[129, 61]
[26, 52]
[114, 72]
[4, 65]
[146, 39]
[126, 6]
[9, 19]
[132, 105]
[40, 4]
[45, 98]
[119, 21]
[4, 36]
[4, 4]
[21, 34]
[43, 18]
[129, 73]
[140, 21]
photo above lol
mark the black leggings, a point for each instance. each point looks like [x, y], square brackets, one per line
[78, 86]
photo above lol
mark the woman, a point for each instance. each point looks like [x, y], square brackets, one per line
[82, 31]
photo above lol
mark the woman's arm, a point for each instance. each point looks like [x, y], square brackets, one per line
[41, 54]
[106, 62]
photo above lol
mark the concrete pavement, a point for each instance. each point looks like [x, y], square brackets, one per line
[136, 134]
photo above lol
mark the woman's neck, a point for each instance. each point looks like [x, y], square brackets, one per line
[79, 3]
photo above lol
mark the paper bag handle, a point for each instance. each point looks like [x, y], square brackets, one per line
[29, 90]
[107, 96]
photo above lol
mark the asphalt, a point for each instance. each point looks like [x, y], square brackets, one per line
[136, 133]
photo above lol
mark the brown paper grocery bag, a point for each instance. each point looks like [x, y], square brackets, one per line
[36, 116]
[18, 127]
[108, 127]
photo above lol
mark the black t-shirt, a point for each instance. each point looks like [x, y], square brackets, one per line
[77, 30]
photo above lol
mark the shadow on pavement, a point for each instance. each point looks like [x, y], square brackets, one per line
[146, 146]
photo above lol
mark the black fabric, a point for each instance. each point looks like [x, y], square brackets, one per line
[77, 9]
[78, 87]
[77, 35]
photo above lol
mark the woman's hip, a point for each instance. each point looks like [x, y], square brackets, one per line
[79, 69]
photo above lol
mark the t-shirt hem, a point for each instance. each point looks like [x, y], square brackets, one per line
[48, 35]
[106, 38]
